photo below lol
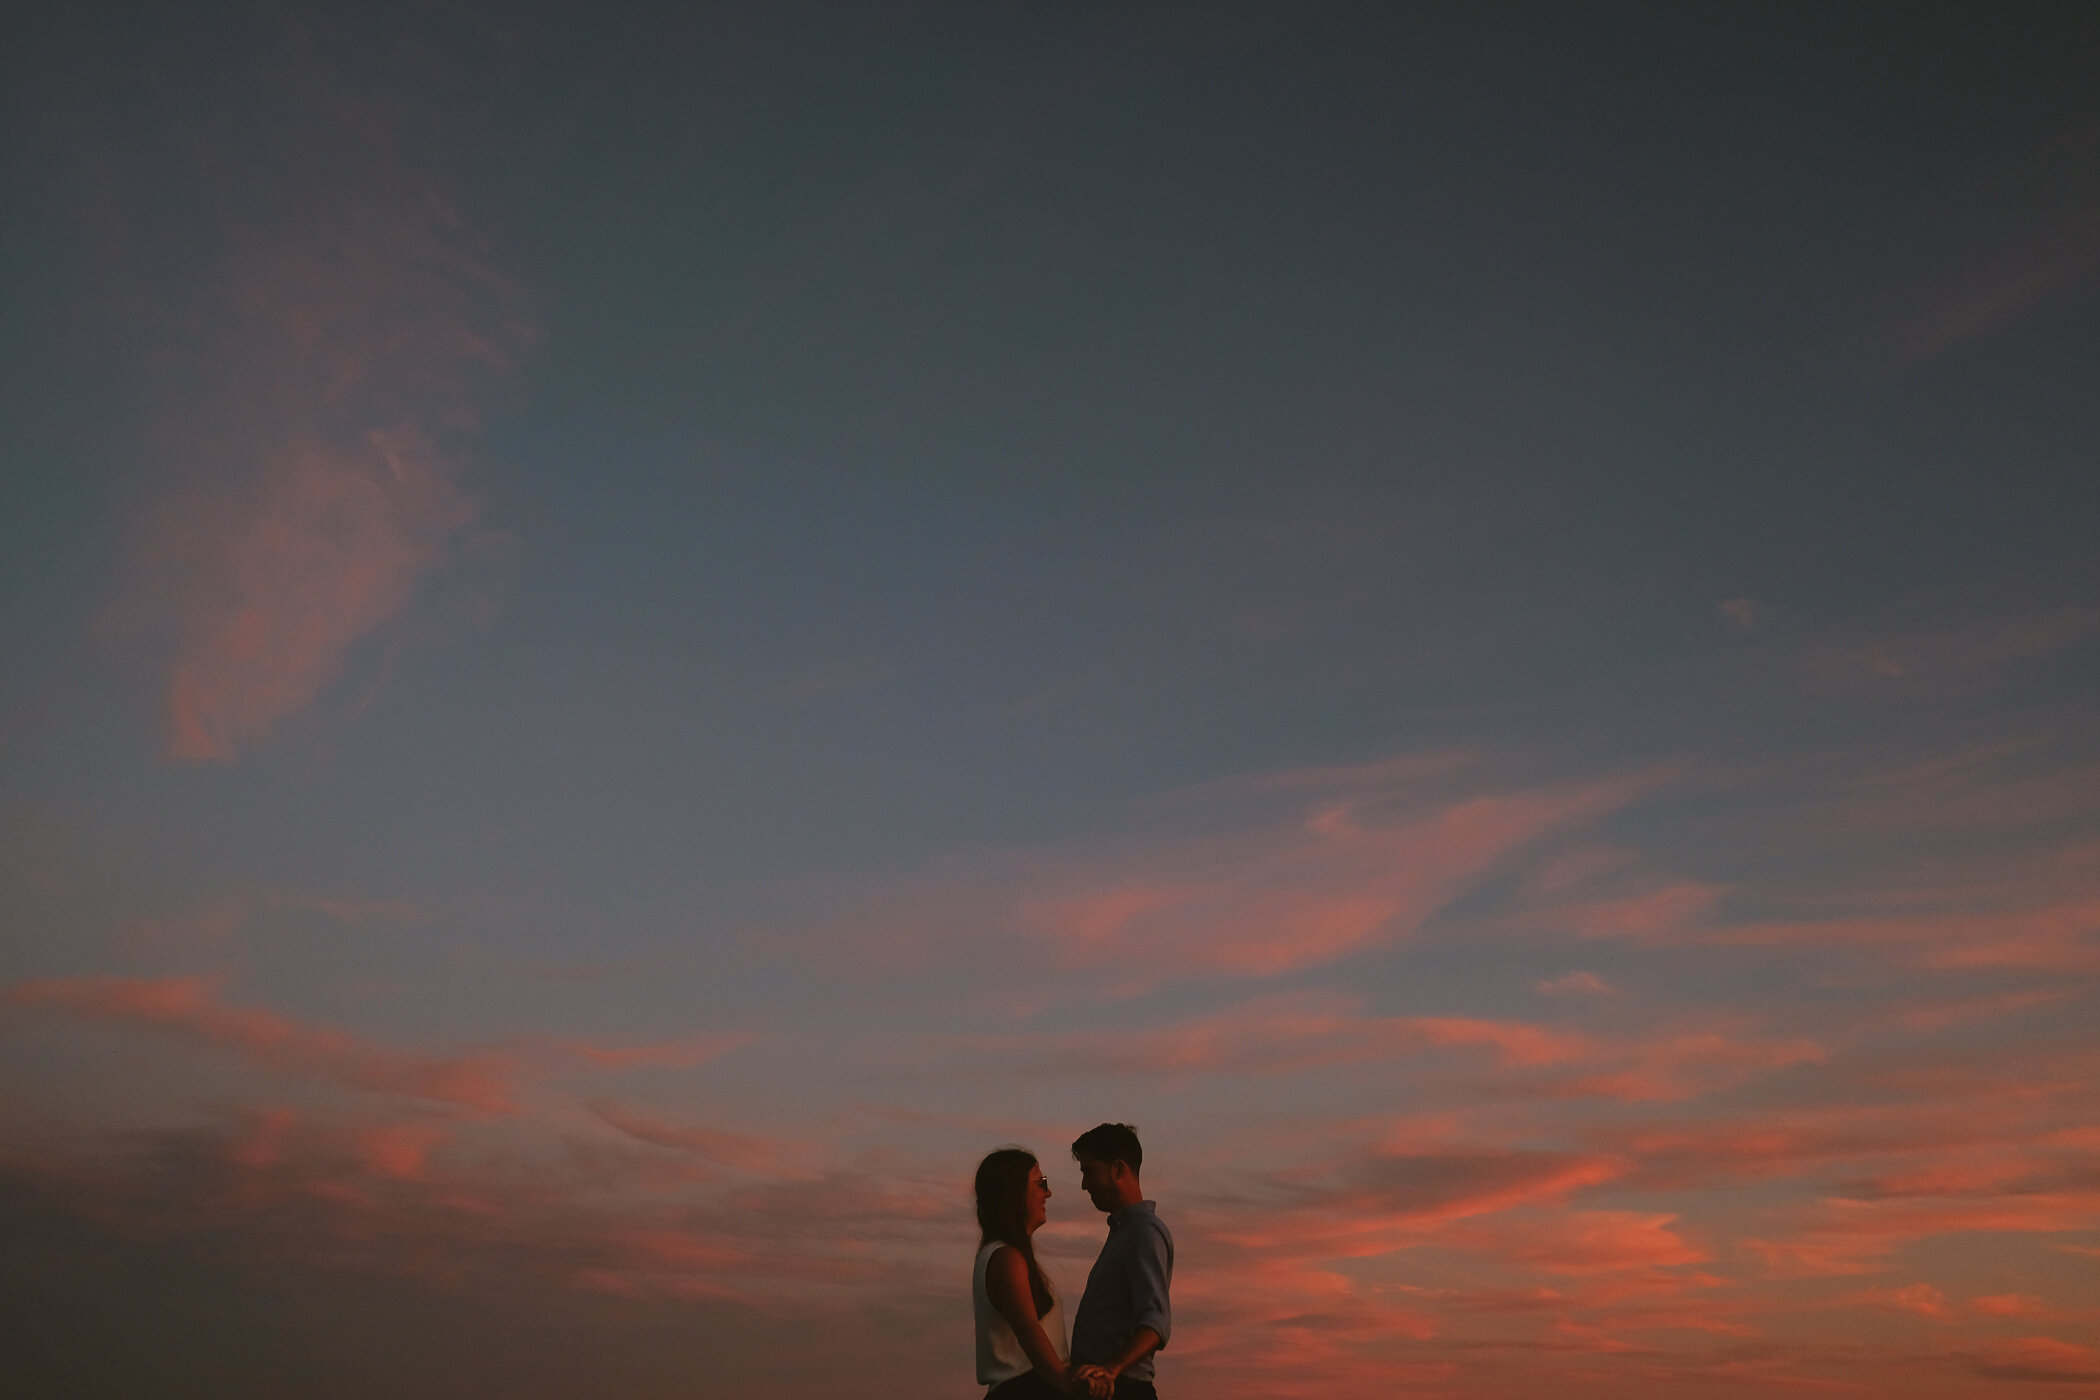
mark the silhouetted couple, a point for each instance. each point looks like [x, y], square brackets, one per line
[1123, 1316]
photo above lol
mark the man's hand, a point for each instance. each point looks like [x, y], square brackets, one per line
[1096, 1381]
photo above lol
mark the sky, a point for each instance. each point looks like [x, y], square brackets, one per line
[629, 634]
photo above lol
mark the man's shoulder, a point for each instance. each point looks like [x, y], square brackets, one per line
[1148, 1221]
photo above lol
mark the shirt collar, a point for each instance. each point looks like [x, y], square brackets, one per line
[1123, 1215]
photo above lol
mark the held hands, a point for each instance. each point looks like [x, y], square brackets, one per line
[1096, 1382]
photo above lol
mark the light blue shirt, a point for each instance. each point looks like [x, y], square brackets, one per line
[1126, 1290]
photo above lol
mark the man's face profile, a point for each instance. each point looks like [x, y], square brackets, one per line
[1101, 1181]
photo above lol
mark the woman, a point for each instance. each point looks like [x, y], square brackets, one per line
[1020, 1324]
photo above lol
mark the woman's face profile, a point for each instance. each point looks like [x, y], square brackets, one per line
[1038, 1198]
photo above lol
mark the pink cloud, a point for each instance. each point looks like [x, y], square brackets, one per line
[1291, 871]
[1638, 1192]
[1574, 984]
[2015, 886]
[399, 1150]
[190, 1007]
[775, 1156]
[2057, 937]
[1270, 1035]
[1306, 1032]
[1686, 1065]
[1587, 1242]
[665, 1263]
[1919, 1298]
[308, 459]
[1664, 912]
[1855, 1236]
[1971, 643]
[1436, 1249]
[478, 1209]
[1296, 1276]
[334, 546]
[1365, 867]
[1781, 1141]
[2040, 1359]
[1939, 1015]
[1372, 1201]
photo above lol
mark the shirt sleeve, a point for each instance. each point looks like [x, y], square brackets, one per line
[1151, 1269]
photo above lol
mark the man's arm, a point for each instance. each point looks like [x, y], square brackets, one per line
[1143, 1343]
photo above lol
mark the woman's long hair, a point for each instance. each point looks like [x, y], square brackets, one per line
[1002, 1212]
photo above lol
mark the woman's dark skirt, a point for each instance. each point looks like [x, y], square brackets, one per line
[1031, 1386]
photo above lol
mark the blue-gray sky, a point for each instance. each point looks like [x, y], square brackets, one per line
[626, 636]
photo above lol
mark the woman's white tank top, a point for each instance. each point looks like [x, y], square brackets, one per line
[999, 1354]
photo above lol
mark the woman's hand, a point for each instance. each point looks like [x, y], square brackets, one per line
[1097, 1382]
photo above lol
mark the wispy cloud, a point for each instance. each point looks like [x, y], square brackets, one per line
[423, 1201]
[1278, 1035]
[668, 1054]
[771, 1156]
[1297, 870]
[1582, 984]
[1997, 252]
[308, 449]
[1943, 647]
[2047, 1359]
[221, 919]
[1307, 1032]
[190, 1007]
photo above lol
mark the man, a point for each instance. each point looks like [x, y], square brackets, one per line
[1123, 1317]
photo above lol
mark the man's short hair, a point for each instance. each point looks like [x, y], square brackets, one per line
[1111, 1142]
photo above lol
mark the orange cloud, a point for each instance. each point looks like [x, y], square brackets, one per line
[189, 1007]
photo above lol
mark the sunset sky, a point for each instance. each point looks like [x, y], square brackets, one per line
[629, 634]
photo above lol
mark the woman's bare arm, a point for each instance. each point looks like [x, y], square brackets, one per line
[1006, 1283]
